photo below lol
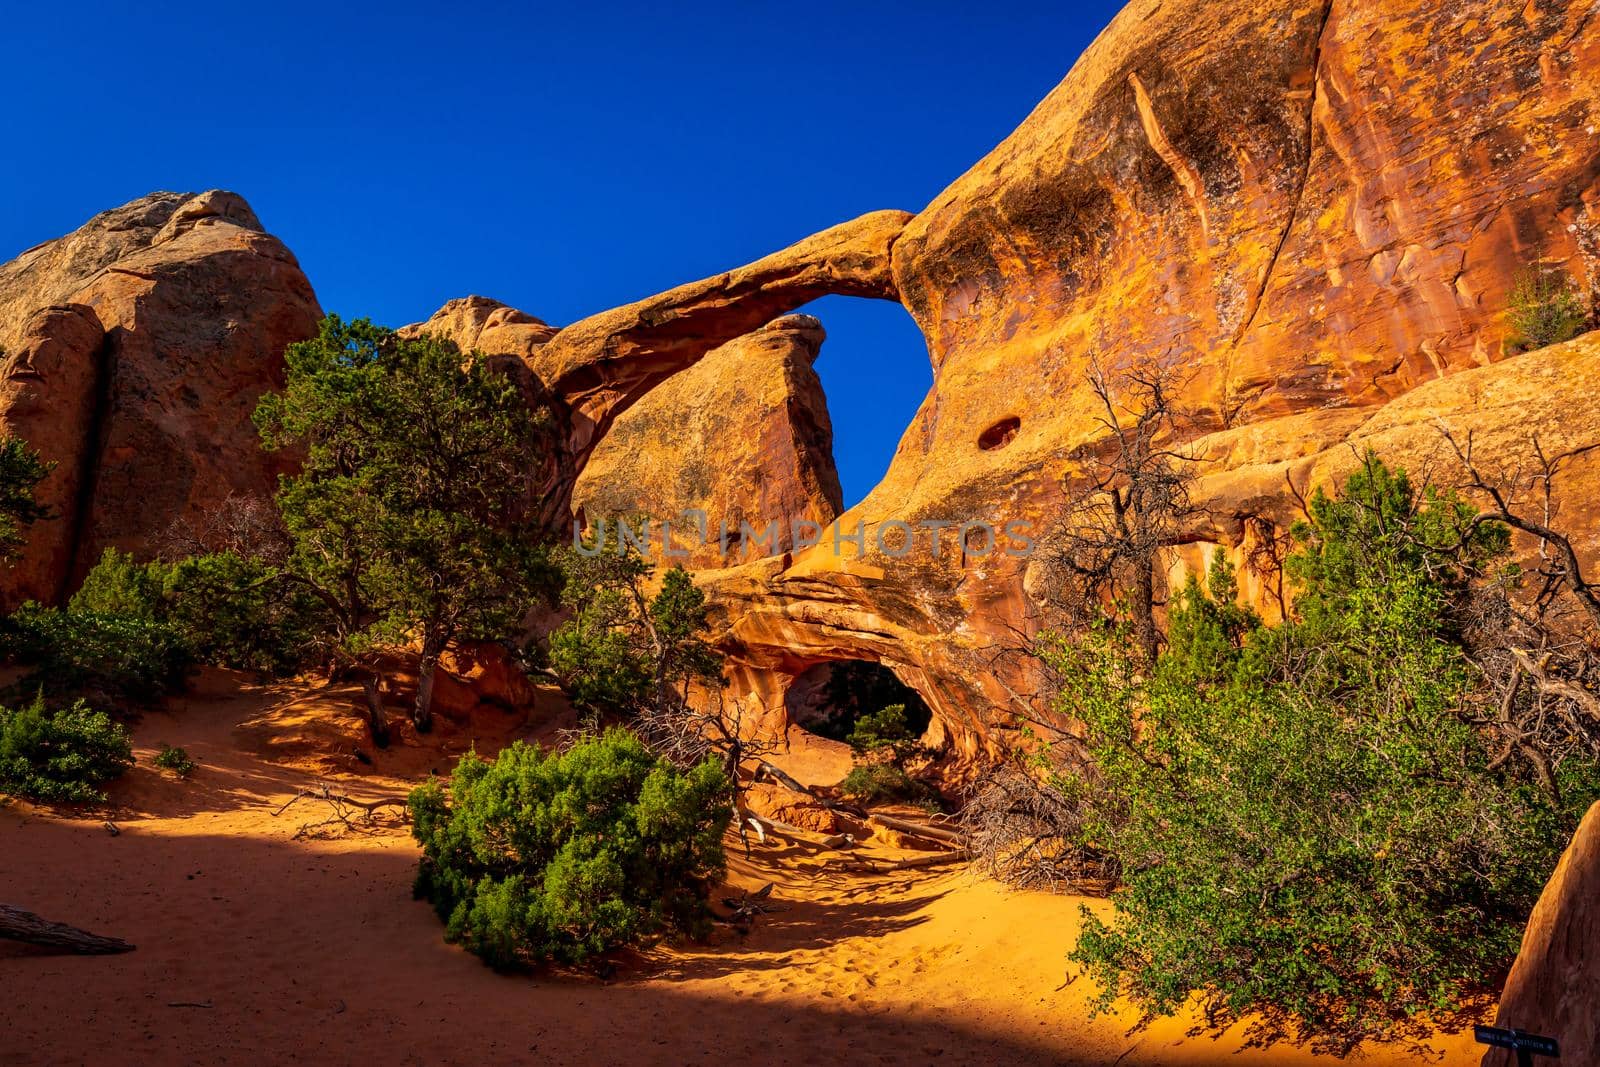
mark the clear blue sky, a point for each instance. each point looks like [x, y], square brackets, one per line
[563, 160]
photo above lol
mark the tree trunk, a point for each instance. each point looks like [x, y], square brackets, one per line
[25, 926]
[1144, 610]
[422, 714]
[375, 720]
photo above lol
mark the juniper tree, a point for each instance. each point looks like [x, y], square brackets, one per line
[413, 516]
[21, 471]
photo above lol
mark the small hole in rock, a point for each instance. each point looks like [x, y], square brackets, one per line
[1000, 434]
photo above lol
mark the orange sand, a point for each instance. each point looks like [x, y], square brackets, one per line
[255, 948]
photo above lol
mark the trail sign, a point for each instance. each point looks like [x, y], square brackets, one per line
[1524, 1044]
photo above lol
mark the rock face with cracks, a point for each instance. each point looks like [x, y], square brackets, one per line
[137, 347]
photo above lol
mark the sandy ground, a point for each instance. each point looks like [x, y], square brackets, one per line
[258, 948]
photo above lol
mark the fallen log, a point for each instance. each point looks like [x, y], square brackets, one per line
[19, 925]
[917, 829]
[871, 866]
[788, 781]
[766, 826]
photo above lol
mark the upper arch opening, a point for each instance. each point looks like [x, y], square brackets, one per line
[875, 374]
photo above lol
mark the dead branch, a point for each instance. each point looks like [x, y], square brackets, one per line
[764, 826]
[750, 904]
[1133, 503]
[1567, 567]
[1556, 686]
[347, 812]
[19, 925]
[1023, 831]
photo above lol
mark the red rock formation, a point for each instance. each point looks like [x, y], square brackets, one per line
[601, 365]
[479, 324]
[1554, 987]
[49, 389]
[197, 304]
[1313, 210]
[743, 437]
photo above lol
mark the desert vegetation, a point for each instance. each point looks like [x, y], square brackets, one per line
[1545, 307]
[1334, 826]
[560, 856]
[61, 754]
[1309, 820]
[414, 512]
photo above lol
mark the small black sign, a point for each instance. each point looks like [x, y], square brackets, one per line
[1517, 1040]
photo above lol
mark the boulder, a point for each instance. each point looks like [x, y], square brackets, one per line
[487, 671]
[196, 303]
[479, 324]
[49, 397]
[1554, 986]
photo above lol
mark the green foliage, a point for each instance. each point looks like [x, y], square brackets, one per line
[1545, 308]
[226, 609]
[564, 855]
[64, 755]
[622, 650]
[414, 513]
[881, 783]
[1308, 822]
[21, 471]
[175, 760]
[109, 659]
[118, 585]
[880, 729]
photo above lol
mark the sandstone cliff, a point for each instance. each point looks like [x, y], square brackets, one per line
[1311, 210]
[136, 349]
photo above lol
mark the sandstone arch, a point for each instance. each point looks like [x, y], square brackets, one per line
[1317, 208]
[601, 365]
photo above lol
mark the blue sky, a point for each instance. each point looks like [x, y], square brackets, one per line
[562, 160]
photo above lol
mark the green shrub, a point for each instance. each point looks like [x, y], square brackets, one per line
[175, 760]
[1310, 826]
[563, 855]
[228, 610]
[63, 755]
[107, 658]
[1545, 308]
[118, 585]
[880, 729]
[622, 650]
[881, 783]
